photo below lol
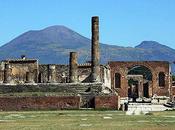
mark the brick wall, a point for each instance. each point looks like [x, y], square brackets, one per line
[173, 92]
[39, 103]
[122, 67]
[55, 103]
[107, 102]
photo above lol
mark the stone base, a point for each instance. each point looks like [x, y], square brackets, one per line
[29, 82]
[160, 100]
[143, 108]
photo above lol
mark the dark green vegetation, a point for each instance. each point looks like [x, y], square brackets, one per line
[53, 44]
[85, 120]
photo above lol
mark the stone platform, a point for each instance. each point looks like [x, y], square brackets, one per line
[65, 96]
[143, 108]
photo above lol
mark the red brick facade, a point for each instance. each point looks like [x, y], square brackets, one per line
[154, 66]
[173, 92]
[107, 102]
[39, 103]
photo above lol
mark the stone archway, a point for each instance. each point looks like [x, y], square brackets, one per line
[151, 86]
[141, 78]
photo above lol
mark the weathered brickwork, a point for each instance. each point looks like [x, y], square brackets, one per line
[173, 92]
[154, 66]
[56, 103]
[39, 103]
[107, 102]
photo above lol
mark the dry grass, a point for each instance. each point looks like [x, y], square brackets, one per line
[85, 120]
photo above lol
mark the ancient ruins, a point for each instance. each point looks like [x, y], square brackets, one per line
[88, 85]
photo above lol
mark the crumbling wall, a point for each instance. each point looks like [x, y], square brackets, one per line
[19, 68]
[49, 73]
[107, 102]
[84, 73]
[61, 73]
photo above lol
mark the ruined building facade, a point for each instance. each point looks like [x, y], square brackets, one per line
[90, 84]
[142, 79]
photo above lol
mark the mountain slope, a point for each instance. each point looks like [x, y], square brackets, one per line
[53, 44]
[157, 51]
[50, 45]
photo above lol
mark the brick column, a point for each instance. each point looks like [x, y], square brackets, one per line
[7, 73]
[73, 68]
[95, 52]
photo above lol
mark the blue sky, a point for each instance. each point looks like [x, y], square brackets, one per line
[122, 22]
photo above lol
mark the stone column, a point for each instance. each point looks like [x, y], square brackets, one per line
[52, 74]
[73, 68]
[140, 88]
[95, 52]
[29, 77]
[7, 73]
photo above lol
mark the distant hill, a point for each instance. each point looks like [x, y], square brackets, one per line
[53, 44]
[50, 45]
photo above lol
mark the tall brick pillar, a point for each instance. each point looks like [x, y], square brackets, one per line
[7, 73]
[29, 77]
[73, 68]
[95, 51]
[52, 74]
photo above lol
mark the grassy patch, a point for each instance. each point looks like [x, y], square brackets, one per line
[85, 120]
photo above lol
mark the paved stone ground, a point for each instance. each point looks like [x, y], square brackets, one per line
[144, 108]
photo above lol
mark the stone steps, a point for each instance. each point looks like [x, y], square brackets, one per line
[51, 87]
[80, 89]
